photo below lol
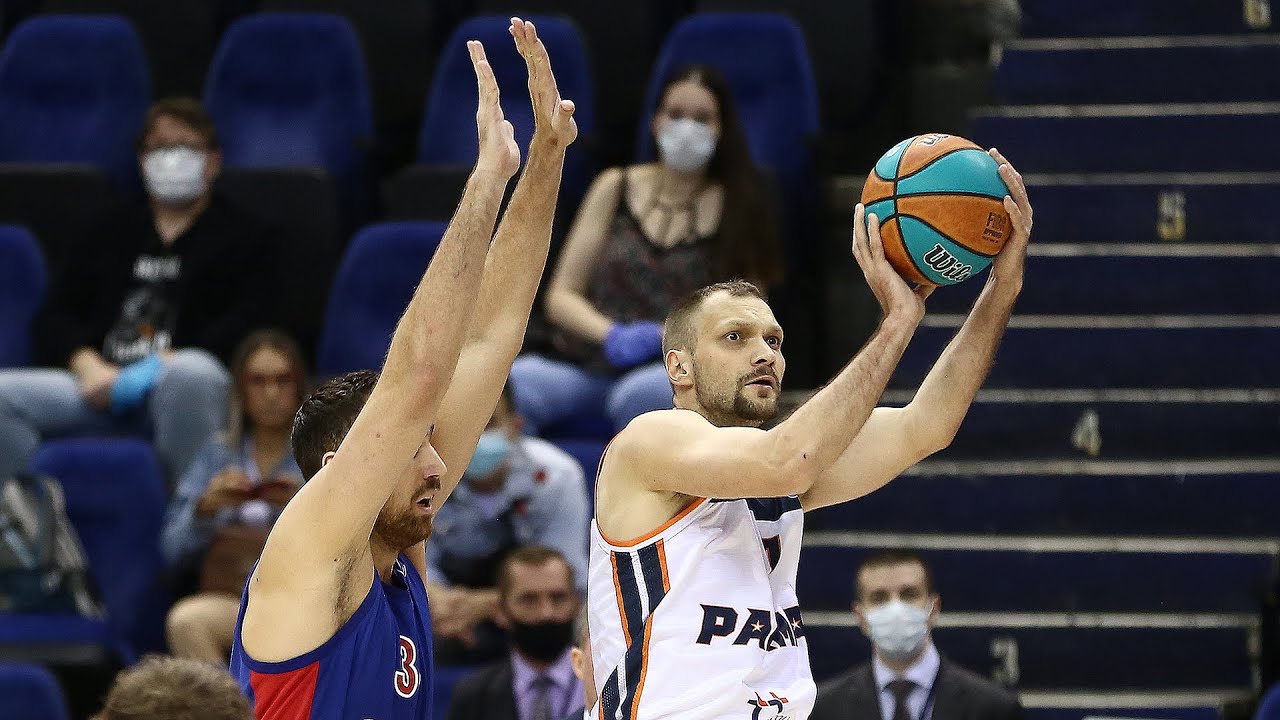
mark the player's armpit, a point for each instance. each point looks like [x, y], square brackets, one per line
[680, 451]
[887, 445]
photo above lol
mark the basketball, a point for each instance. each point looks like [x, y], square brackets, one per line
[940, 201]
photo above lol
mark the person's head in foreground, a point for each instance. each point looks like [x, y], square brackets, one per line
[723, 350]
[537, 603]
[325, 418]
[896, 605]
[170, 688]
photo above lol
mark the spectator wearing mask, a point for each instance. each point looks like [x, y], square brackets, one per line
[517, 490]
[645, 236]
[583, 668]
[537, 605]
[144, 310]
[907, 679]
[167, 688]
[226, 502]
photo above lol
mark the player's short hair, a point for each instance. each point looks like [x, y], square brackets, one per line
[528, 555]
[170, 688]
[186, 110]
[326, 416]
[892, 556]
[677, 332]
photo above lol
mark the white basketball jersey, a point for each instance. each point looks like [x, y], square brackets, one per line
[699, 619]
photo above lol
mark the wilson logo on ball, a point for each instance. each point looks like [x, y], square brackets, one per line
[947, 265]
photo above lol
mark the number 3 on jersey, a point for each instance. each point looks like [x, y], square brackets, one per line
[407, 676]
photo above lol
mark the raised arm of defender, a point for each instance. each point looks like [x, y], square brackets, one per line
[319, 547]
[681, 452]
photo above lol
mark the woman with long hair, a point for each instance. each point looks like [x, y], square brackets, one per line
[233, 492]
[645, 236]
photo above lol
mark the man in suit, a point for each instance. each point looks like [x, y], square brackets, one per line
[907, 679]
[537, 604]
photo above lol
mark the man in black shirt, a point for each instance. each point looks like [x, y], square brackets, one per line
[143, 313]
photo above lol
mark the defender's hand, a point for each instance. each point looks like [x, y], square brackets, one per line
[552, 116]
[499, 153]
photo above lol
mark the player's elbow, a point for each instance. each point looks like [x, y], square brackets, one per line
[792, 470]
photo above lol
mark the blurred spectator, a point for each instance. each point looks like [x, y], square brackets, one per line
[537, 605]
[142, 309]
[517, 490]
[896, 606]
[645, 236]
[166, 688]
[583, 668]
[227, 500]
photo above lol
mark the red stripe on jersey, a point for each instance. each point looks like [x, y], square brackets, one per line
[284, 696]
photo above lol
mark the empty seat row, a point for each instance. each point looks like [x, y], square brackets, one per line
[1103, 18]
[1209, 499]
[1114, 352]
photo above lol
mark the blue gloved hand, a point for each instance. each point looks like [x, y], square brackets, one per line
[629, 344]
[133, 384]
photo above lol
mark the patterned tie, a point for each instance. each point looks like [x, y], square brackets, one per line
[901, 690]
[541, 699]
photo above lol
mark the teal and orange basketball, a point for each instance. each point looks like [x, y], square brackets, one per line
[940, 201]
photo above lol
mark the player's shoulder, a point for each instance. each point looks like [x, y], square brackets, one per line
[655, 429]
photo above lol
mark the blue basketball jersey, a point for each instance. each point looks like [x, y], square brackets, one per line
[377, 666]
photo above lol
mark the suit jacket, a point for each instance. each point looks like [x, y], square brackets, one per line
[960, 695]
[485, 695]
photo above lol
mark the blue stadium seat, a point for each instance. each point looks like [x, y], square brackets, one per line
[1231, 208]
[776, 95]
[1101, 279]
[1093, 18]
[1171, 139]
[1079, 581]
[1269, 708]
[290, 90]
[115, 497]
[448, 135]
[30, 692]
[74, 89]
[1088, 355]
[1206, 72]
[1070, 657]
[1123, 713]
[1082, 499]
[445, 677]
[375, 280]
[22, 286]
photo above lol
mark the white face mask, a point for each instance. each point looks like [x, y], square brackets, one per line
[686, 145]
[898, 630]
[175, 174]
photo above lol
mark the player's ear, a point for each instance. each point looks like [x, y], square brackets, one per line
[324, 459]
[679, 370]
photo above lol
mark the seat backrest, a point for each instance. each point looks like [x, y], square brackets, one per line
[115, 498]
[74, 89]
[448, 134]
[23, 281]
[178, 35]
[765, 62]
[376, 278]
[30, 692]
[290, 90]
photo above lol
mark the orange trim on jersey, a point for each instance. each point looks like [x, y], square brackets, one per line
[617, 589]
[662, 562]
[649, 536]
[644, 667]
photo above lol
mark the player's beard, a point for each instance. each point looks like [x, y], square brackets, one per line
[402, 530]
[738, 408]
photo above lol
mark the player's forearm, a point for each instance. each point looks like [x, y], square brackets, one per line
[950, 387]
[819, 431]
[429, 335]
[519, 254]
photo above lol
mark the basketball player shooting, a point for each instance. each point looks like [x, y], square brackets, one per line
[699, 512]
[334, 621]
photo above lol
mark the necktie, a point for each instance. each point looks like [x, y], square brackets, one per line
[541, 699]
[901, 689]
